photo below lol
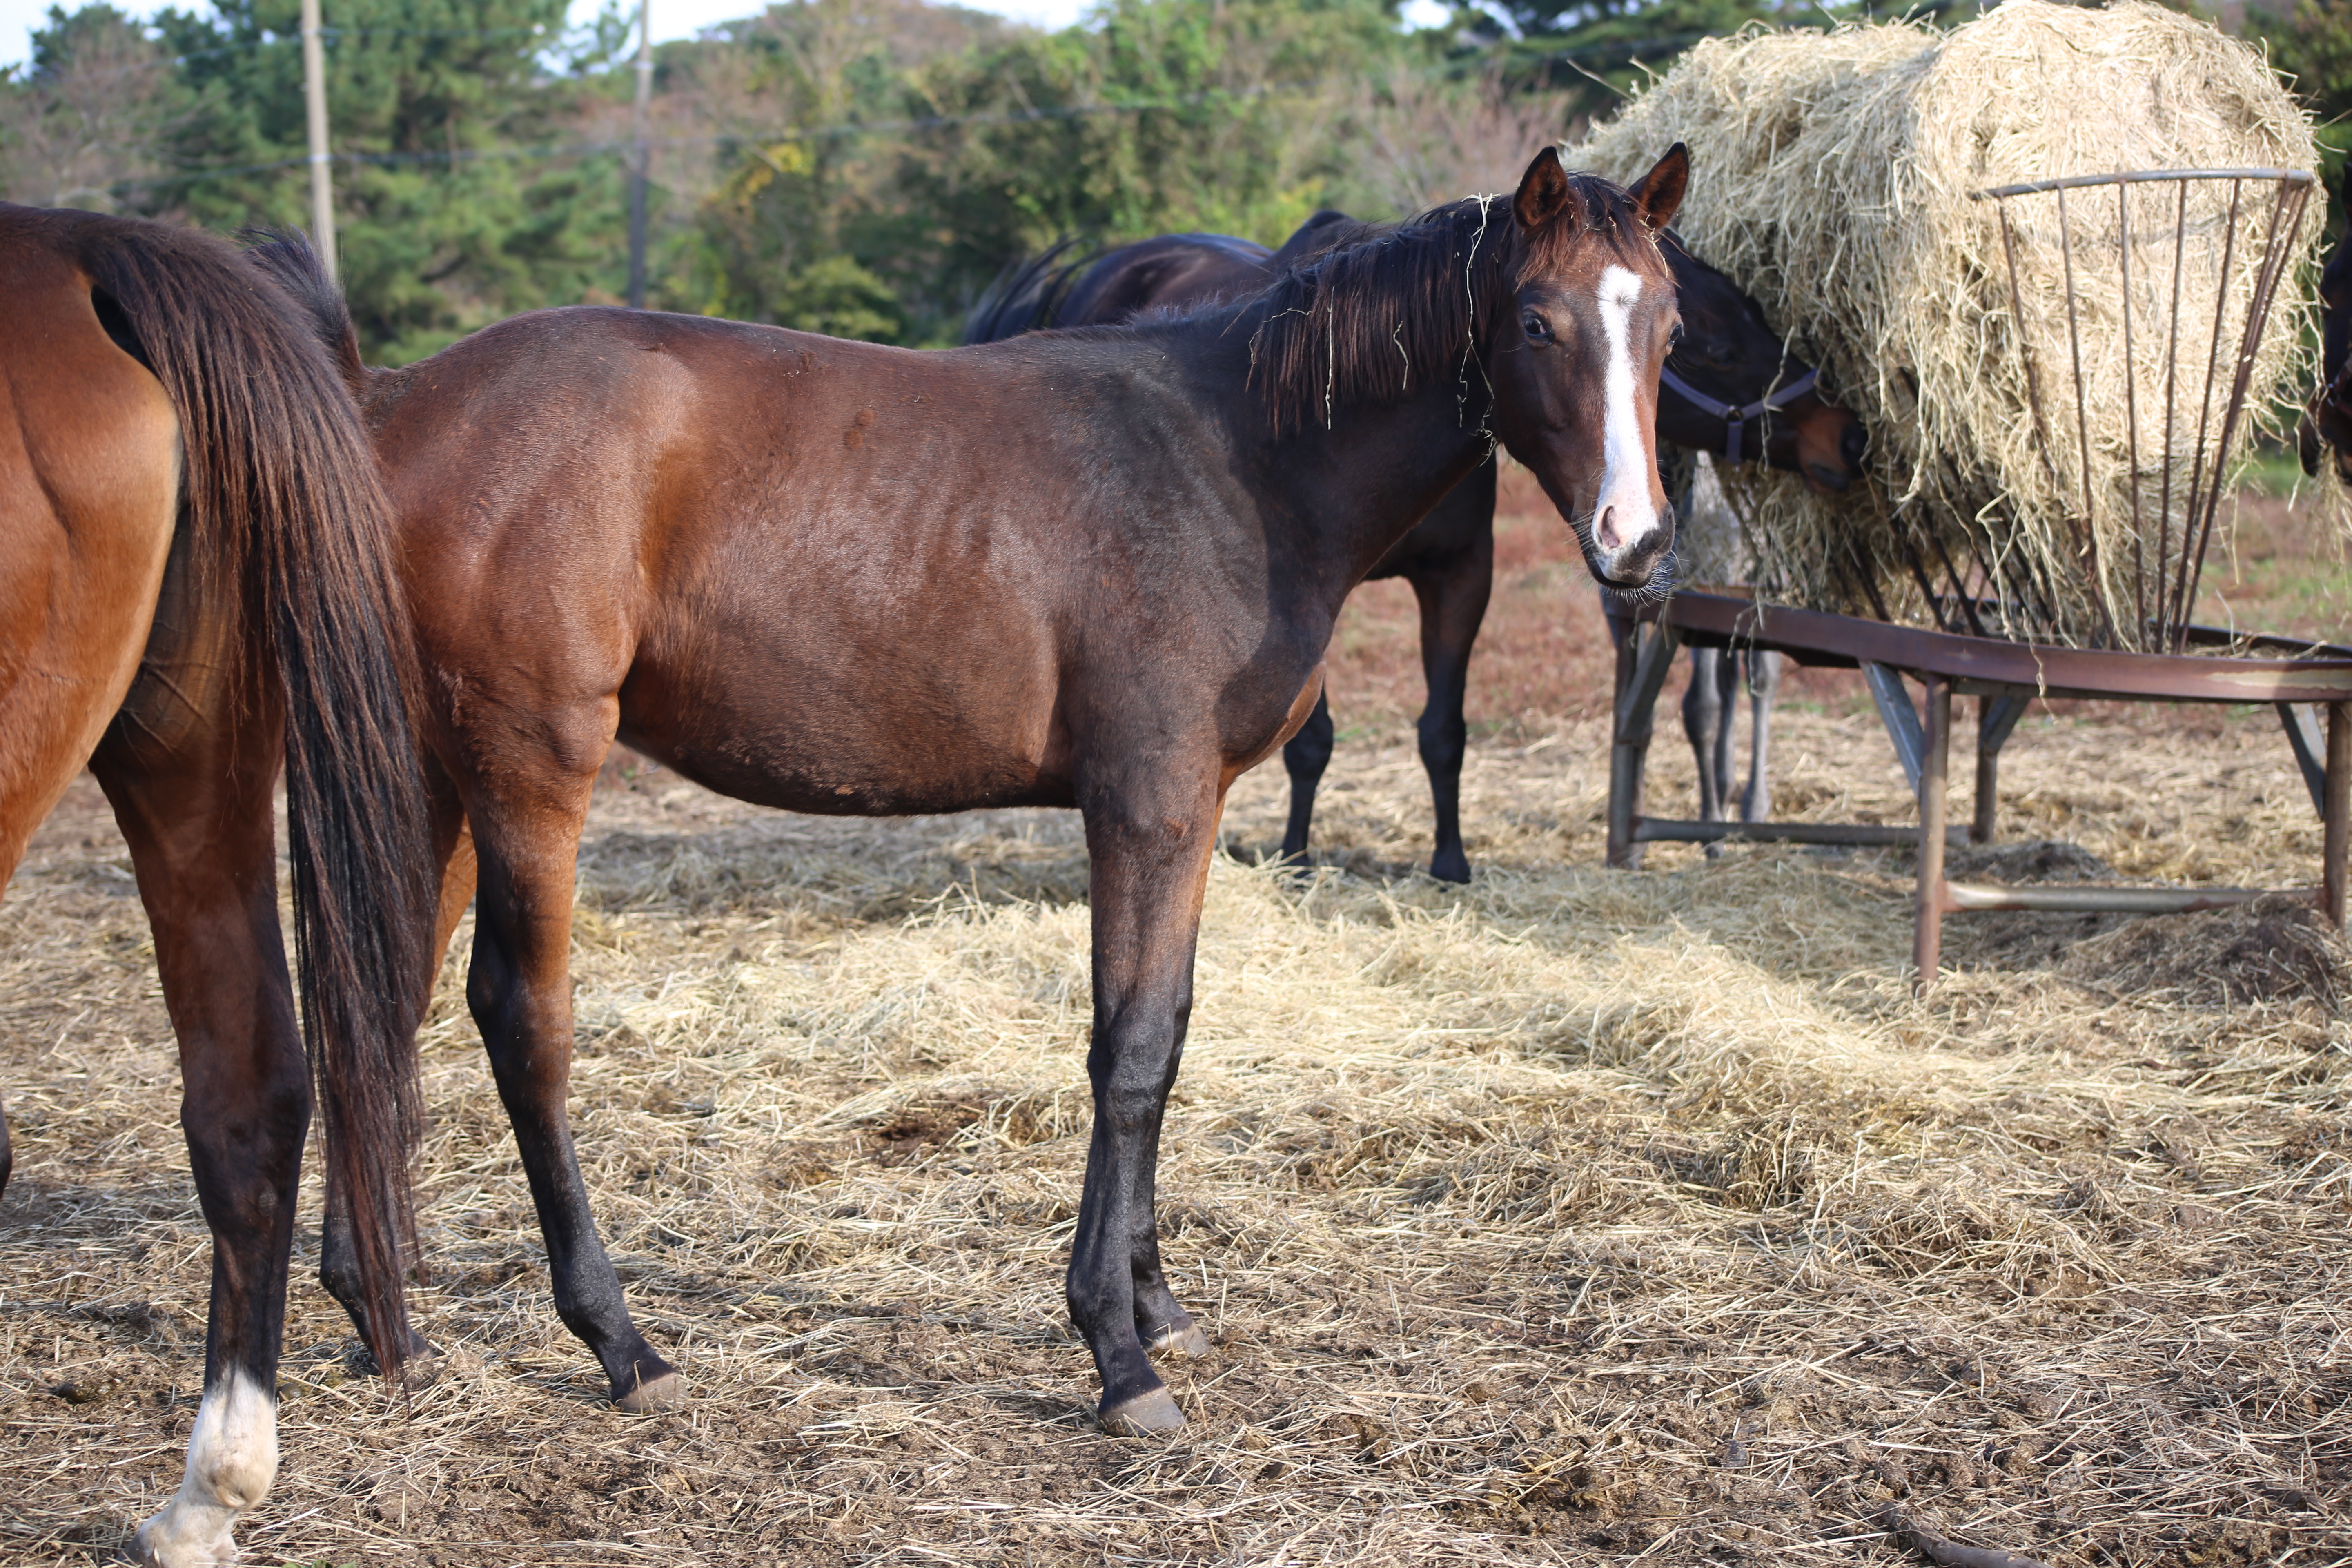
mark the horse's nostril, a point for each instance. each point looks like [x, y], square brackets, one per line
[1855, 444]
[1604, 528]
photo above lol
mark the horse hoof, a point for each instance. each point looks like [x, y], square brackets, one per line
[664, 1393]
[1188, 1341]
[424, 1367]
[420, 1368]
[1454, 868]
[1145, 1415]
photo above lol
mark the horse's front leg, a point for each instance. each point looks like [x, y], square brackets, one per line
[198, 824]
[1764, 667]
[1707, 724]
[1151, 835]
[1453, 594]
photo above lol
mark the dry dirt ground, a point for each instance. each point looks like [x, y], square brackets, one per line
[1571, 1216]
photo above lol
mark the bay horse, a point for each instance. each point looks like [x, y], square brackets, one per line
[194, 584]
[1731, 387]
[1093, 568]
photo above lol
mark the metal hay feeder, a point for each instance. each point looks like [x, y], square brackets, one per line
[2168, 409]
[2152, 654]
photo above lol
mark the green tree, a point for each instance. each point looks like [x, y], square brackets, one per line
[1163, 115]
[441, 226]
[2313, 44]
[809, 99]
[84, 123]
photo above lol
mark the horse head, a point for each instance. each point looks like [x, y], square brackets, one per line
[1731, 387]
[1575, 367]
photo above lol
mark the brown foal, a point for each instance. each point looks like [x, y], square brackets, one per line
[1093, 569]
[194, 583]
[1726, 362]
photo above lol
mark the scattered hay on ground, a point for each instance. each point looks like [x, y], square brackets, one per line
[2276, 950]
[1832, 176]
[1573, 1216]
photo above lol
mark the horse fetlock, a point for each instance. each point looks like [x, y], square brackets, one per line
[232, 1460]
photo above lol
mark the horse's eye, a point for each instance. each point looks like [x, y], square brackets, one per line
[1538, 329]
[1676, 338]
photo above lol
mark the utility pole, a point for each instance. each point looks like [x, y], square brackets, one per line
[641, 155]
[314, 100]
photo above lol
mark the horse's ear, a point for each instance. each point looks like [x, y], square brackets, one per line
[1660, 195]
[1544, 191]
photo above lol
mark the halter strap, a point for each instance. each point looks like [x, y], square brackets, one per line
[1736, 415]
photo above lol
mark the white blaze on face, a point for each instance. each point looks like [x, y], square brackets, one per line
[1622, 516]
[231, 1460]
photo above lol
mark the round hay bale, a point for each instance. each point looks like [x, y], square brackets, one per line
[1834, 177]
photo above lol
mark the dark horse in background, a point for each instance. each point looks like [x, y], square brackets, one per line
[1731, 387]
[194, 584]
[2327, 419]
[1094, 569]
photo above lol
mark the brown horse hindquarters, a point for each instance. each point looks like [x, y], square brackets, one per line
[90, 465]
[191, 576]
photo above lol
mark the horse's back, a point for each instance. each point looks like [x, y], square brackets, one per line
[787, 559]
[1170, 270]
[88, 496]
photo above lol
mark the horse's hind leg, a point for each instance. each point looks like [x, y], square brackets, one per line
[1151, 840]
[1305, 757]
[1453, 594]
[452, 854]
[197, 815]
[525, 839]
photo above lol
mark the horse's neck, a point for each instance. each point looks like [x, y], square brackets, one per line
[1359, 484]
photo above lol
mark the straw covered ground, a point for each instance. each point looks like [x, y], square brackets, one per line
[1833, 176]
[1571, 1216]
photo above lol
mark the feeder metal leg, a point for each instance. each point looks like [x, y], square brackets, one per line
[2310, 748]
[1895, 712]
[2338, 817]
[1928, 924]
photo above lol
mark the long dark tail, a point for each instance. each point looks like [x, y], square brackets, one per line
[289, 521]
[1028, 294]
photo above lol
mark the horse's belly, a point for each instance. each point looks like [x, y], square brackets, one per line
[854, 736]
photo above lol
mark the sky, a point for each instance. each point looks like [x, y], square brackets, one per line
[672, 18]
